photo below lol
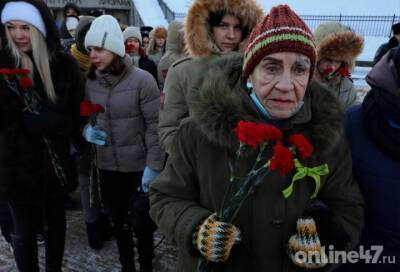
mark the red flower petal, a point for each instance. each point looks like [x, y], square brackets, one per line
[253, 134]
[303, 146]
[282, 159]
[25, 82]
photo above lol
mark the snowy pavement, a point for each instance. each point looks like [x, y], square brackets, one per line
[79, 257]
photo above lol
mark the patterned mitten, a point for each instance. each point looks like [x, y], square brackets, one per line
[215, 239]
[305, 247]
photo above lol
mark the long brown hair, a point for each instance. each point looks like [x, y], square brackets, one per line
[116, 67]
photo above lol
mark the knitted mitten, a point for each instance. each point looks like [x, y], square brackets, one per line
[215, 239]
[305, 247]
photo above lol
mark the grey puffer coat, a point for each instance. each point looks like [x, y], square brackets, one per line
[131, 101]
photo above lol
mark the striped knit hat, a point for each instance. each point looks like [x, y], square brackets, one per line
[282, 30]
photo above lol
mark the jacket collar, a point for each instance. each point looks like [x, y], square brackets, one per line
[221, 101]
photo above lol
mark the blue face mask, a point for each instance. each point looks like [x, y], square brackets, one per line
[261, 108]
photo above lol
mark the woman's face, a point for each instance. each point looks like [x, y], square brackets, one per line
[327, 66]
[101, 58]
[228, 34]
[20, 34]
[280, 82]
[133, 44]
[160, 42]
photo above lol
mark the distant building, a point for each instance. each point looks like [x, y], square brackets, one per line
[120, 9]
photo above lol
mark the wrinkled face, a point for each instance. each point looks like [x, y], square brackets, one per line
[228, 34]
[71, 12]
[327, 66]
[280, 82]
[160, 42]
[134, 44]
[101, 58]
[20, 34]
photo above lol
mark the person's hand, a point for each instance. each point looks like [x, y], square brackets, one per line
[304, 247]
[148, 176]
[215, 239]
[95, 135]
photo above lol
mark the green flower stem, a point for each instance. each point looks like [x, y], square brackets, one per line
[55, 162]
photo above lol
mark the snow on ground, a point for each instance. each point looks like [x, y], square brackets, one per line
[150, 12]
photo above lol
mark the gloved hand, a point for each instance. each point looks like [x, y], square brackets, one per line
[148, 176]
[303, 245]
[215, 239]
[95, 135]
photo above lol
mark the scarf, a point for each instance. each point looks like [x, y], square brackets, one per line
[381, 113]
[82, 59]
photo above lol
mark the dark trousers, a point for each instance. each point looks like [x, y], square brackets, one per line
[6, 224]
[29, 220]
[117, 190]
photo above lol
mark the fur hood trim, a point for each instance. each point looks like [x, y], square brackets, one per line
[221, 102]
[197, 30]
[338, 42]
[159, 32]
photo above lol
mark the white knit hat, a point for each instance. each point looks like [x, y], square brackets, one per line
[23, 11]
[106, 33]
[132, 32]
[71, 23]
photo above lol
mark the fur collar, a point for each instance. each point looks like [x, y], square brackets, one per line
[196, 28]
[221, 102]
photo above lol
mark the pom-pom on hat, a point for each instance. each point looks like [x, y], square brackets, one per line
[132, 32]
[23, 11]
[282, 30]
[106, 33]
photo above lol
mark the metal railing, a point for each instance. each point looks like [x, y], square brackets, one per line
[378, 26]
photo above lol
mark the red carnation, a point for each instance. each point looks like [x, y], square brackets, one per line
[22, 72]
[327, 71]
[5, 71]
[272, 133]
[303, 146]
[344, 72]
[87, 108]
[253, 134]
[282, 159]
[25, 82]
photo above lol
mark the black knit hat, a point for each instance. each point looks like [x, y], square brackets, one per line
[396, 28]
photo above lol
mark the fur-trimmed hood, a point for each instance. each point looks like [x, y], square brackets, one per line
[52, 39]
[338, 42]
[222, 101]
[156, 32]
[197, 30]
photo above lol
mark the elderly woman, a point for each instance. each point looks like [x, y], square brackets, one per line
[278, 67]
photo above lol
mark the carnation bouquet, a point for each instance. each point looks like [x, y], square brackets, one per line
[259, 136]
[19, 82]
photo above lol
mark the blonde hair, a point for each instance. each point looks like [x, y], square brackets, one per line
[41, 57]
